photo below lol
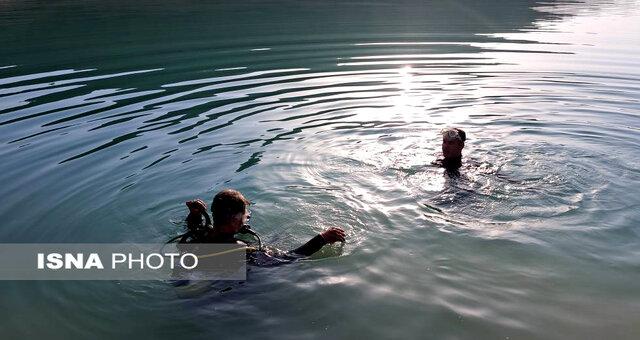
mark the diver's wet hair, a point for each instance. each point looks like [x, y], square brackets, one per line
[454, 134]
[226, 204]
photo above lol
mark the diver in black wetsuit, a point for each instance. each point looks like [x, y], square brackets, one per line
[452, 144]
[230, 214]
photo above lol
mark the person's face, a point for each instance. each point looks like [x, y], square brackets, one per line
[246, 216]
[241, 219]
[236, 222]
[452, 148]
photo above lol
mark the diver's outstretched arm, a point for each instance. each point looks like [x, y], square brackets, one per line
[328, 236]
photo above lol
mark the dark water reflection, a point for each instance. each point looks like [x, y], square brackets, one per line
[114, 113]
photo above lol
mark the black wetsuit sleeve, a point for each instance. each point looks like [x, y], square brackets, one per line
[311, 247]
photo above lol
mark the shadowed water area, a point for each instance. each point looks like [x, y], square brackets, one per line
[112, 114]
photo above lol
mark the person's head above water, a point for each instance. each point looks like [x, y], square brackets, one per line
[230, 210]
[452, 143]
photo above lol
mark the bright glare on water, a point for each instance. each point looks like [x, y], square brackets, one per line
[114, 113]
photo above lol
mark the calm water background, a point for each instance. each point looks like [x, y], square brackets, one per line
[112, 114]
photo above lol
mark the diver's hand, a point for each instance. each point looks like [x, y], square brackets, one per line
[196, 206]
[333, 234]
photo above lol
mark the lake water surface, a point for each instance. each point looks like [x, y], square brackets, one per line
[327, 113]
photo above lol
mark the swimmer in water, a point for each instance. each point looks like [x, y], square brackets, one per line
[452, 144]
[230, 210]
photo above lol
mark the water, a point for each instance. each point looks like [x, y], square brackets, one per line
[112, 114]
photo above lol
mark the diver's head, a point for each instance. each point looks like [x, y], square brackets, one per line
[230, 211]
[453, 142]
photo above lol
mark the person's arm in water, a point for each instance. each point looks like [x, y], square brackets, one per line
[328, 236]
